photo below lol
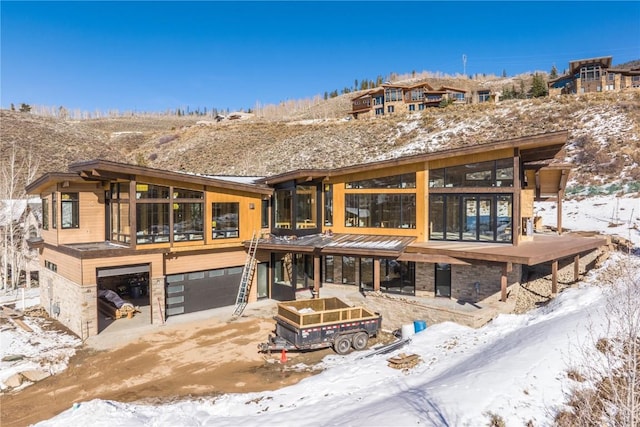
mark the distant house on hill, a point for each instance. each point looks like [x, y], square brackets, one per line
[393, 98]
[594, 75]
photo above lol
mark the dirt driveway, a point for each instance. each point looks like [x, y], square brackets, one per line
[206, 357]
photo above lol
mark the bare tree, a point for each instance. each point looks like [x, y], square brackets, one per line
[607, 381]
[17, 168]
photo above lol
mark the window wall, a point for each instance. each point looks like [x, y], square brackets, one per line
[296, 208]
[380, 210]
[119, 215]
[168, 213]
[225, 222]
[495, 173]
[45, 214]
[328, 205]
[70, 210]
[472, 217]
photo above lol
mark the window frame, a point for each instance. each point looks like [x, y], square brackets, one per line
[69, 206]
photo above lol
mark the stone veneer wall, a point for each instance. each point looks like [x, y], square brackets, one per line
[463, 279]
[77, 304]
[397, 311]
[486, 274]
[425, 279]
[157, 291]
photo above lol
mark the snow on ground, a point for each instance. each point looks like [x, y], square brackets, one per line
[41, 349]
[514, 367]
[605, 214]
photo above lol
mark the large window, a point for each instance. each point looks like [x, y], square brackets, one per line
[45, 214]
[590, 72]
[168, 213]
[225, 222]
[152, 220]
[297, 207]
[283, 208]
[306, 206]
[328, 205]
[348, 270]
[407, 180]
[119, 217]
[392, 94]
[495, 173]
[70, 210]
[397, 276]
[54, 210]
[264, 214]
[383, 210]
[327, 270]
[472, 217]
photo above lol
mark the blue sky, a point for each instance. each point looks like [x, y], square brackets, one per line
[158, 56]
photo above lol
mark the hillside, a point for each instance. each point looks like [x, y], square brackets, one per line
[604, 136]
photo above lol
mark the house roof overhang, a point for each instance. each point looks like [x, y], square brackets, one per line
[105, 170]
[532, 148]
[604, 61]
[51, 178]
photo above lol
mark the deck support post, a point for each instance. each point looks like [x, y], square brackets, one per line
[576, 268]
[506, 268]
[376, 274]
[316, 276]
[554, 277]
[559, 211]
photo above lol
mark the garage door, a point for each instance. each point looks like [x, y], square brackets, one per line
[201, 290]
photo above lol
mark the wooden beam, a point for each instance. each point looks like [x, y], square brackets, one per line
[576, 268]
[538, 184]
[516, 214]
[559, 211]
[503, 282]
[376, 274]
[316, 276]
[554, 277]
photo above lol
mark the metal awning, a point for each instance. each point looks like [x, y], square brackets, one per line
[340, 244]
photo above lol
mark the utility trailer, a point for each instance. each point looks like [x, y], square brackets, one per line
[322, 322]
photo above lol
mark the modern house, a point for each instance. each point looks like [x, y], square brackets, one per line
[455, 224]
[402, 98]
[594, 75]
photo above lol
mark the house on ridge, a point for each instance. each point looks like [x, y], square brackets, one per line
[594, 75]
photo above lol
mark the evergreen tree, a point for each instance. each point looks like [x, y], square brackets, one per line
[504, 73]
[25, 108]
[554, 72]
[538, 86]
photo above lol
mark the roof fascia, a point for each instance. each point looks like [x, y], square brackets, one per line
[113, 169]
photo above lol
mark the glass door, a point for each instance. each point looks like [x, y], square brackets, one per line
[443, 280]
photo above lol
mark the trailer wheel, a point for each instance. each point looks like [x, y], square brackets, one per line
[360, 341]
[342, 345]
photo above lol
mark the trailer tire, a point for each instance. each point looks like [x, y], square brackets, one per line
[342, 345]
[360, 341]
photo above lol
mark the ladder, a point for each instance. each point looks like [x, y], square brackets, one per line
[247, 276]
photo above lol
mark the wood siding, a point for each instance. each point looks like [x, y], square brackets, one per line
[187, 263]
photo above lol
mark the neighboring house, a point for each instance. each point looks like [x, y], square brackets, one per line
[456, 224]
[402, 98]
[594, 75]
[19, 224]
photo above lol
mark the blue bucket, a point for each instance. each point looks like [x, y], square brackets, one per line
[419, 325]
